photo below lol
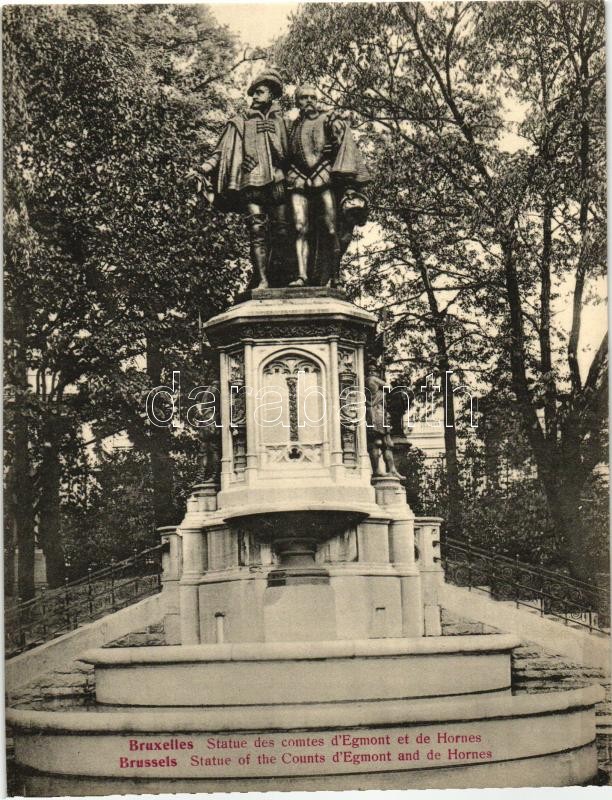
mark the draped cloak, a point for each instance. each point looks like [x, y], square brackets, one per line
[263, 138]
[323, 155]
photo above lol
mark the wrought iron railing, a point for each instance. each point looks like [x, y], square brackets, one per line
[547, 592]
[52, 613]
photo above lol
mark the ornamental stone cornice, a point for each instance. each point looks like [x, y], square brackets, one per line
[307, 316]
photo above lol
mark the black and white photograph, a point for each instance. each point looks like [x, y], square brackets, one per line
[305, 397]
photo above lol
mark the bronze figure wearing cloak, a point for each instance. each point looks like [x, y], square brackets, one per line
[325, 178]
[248, 172]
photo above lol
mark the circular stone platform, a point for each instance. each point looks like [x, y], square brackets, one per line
[531, 740]
[261, 674]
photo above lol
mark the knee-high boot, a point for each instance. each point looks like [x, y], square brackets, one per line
[260, 248]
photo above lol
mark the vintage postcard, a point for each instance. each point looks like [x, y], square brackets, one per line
[305, 397]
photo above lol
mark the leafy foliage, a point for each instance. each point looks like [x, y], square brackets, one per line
[486, 220]
[110, 259]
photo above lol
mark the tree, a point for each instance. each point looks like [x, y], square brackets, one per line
[425, 81]
[109, 261]
[114, 499]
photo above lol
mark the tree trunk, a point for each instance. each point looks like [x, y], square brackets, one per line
[455, 498]
[22, 470]
[24, 509]
[10, 535]
[158, 445]
[546, 364]
[455, 495]
[560, 464]
[49, 508]
[567, 518]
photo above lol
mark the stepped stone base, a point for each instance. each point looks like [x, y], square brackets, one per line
[556, 770]
[564, 753]
[535, 669]
[75, 679]
[516, 741]
[256, 675]
[152, 636]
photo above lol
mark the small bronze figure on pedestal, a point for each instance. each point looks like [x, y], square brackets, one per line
[209, 457]
[380, 443]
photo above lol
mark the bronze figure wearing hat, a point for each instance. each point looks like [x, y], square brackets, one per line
[248, 172]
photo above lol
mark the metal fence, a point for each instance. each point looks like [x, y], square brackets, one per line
[54, 612]
[549, 593]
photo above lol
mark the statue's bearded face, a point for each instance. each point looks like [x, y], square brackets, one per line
[262, 96]
[307, 99]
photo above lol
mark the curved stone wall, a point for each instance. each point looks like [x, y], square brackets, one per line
[486, 741]
[261, 674]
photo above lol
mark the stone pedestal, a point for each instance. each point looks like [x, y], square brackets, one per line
[391, 496]
[172, 568]
[293, 433]
[303, 612]
[427, 530]
[295, 477]
[303, 606]
[299, 543]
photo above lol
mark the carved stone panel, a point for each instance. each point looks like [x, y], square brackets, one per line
[237, 411]
[347, 379]
[291, 414]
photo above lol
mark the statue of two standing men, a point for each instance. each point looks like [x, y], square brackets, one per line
[300, 185]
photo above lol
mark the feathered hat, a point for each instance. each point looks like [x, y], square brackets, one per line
[272, 78]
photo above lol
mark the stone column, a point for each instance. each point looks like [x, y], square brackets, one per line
[362, 431]
[40, 569]
[190, 582]
[171, 554]
[171, 574]
[427, 530]
[333, 411]
[251, 385]
[226, 431]
[203, 499]
[391, 496]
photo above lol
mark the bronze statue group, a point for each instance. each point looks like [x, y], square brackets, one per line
[300, 185]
